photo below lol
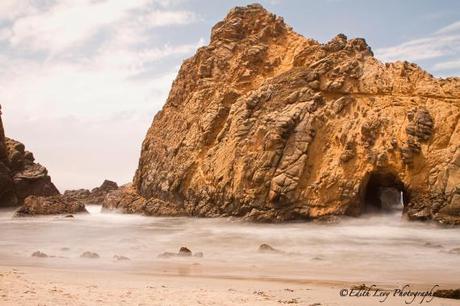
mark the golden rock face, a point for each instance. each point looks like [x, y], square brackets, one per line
[268, 125]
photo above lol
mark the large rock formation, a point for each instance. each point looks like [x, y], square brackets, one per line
[20, 176]
[266, 124]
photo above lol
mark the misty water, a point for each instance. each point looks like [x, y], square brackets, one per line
[378, 248]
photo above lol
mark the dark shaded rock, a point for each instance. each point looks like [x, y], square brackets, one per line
[95, 196]
[33, 179]
[98, 194]
[20, 177]
[185, 252]
[79, 194]
[106, 186]
[421, 123]
[120, 258]
[89, 254]
[8, 196]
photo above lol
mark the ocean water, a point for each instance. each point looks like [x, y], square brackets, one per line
[381, 248]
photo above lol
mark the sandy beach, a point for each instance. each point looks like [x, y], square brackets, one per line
[45, 286]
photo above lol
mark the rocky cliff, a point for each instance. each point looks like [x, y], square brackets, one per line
[265, 124]
[20, 176]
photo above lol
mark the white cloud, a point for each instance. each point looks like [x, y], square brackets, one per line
[444, 42]
[158, 18]
[91, 85]
[68, 24]
[5, 34]
[68, 81]
[453, 27]
[10, 9]
[447, 65]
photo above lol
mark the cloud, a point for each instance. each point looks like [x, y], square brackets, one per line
[444, 42]
[70, 82]
[69, 24]
[159, 18]
[81, 152]
[5, 34]
[447, 65]
[10, 9]
[452, 28]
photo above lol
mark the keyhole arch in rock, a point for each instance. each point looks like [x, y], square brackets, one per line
[383, 191]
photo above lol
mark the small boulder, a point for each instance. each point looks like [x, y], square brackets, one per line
[89, 254]
[39, 254]
[184, 252]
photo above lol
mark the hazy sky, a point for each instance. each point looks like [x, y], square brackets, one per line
[80, 80]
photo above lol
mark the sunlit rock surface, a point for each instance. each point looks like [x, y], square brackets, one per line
[266, 124]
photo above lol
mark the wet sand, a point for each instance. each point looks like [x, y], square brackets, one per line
[47, 286]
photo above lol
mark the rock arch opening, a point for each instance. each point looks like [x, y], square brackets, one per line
[383, 192]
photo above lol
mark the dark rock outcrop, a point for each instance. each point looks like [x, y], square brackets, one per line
[95, 196]
[265, 124]
[20, 176]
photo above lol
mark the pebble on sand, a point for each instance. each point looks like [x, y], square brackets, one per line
[120, 258]
[39, 254]
[266, 248]
[89, 254]
[183, 252]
